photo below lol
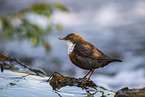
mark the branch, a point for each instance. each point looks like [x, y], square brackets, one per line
[4, 59]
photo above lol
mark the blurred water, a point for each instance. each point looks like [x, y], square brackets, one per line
[116, 27]
[14, 84]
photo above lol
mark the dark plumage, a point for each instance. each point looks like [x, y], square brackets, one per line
[85, 55]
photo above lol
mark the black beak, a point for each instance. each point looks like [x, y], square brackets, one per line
[61, 38]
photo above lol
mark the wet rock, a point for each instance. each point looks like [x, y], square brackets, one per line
[126, 92]
[58, 81]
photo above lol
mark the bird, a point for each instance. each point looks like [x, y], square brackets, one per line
[86, 55]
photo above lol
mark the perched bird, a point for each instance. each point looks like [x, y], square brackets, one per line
[85, 55]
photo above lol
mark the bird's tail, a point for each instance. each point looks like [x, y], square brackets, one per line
[116, 60]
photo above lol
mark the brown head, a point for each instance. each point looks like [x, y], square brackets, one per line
[72, 37]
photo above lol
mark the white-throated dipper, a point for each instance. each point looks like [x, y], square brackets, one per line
[85, 55]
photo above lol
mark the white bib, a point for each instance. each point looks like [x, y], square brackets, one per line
[70, 46]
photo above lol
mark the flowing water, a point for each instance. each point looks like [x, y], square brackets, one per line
[16, 84]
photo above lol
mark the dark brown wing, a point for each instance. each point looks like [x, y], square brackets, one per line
[88, 50]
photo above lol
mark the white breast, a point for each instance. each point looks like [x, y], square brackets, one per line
[70, 46]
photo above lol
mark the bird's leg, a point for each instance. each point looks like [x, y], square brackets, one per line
[87, 74]
[90, 74]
